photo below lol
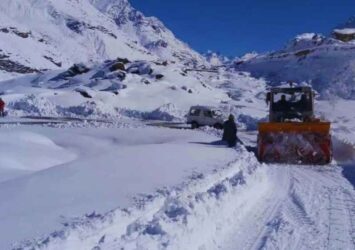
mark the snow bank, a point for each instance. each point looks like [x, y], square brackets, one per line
[110, 167]
[24, 152]
[192, 215]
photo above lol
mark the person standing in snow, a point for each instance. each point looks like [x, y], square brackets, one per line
[230, 131]
[2, 107]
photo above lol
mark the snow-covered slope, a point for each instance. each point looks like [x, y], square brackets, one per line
[148, 32]
[324, 62]
[216, 58]
[50, 34]
[149, 90]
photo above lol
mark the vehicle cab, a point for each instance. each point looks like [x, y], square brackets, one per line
[294, 103]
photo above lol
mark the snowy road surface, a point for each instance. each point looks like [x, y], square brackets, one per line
[308, 208]
[205, 196]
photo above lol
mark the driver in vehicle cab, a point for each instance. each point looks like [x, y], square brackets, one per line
[282, 104]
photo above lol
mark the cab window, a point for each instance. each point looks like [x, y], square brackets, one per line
[195, 112]
[208, 113]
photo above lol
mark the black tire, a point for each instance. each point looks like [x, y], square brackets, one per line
[218, 126]
[194, 125]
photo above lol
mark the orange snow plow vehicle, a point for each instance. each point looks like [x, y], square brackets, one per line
[293, 135]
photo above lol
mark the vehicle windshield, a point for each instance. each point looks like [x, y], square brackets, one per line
[295, 102]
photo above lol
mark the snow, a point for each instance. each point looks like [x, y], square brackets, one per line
[238, 206]
[328, 68]
[346, 31]
[83, 166]
[102, 94]
[322, 62]
[76, 171]
[306, 36]
[19, 148]
[60, 33]
[342, 119]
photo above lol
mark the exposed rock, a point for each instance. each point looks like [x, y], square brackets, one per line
[79, 27]
[11, 66]
[145, 81]
[140, 68]
[16, 32]
[22, 34]
[4, 30]
[156, 44]
[303, 53]
[118, 66]
[190, 91]
[123, 60]
[74, 25]
[159, 76]
[59, 64]
[83, 92]
[76, 69]
[163, 63]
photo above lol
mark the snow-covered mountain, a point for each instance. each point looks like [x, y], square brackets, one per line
[89, 159]
[350, 23]
[216, 58]
[50, 34]
[325, 62]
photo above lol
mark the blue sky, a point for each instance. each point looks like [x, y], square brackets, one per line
[234, 27]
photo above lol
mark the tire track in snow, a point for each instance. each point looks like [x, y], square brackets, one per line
[340, 225]
[291, 215]
[267, 214]
[316, 212]
[350, 205]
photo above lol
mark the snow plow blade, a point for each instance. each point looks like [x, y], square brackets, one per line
[295, 143]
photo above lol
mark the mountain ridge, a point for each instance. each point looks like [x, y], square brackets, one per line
[47, 34]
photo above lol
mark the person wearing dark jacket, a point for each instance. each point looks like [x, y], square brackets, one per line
[2, 107]
[230, 131]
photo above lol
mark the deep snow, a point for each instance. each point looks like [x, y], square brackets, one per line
[234, 203]
[81, 167]
[75, 171]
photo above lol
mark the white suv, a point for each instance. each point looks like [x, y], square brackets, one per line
[205, 116]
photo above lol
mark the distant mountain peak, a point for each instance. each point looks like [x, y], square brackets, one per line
[350, 23]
